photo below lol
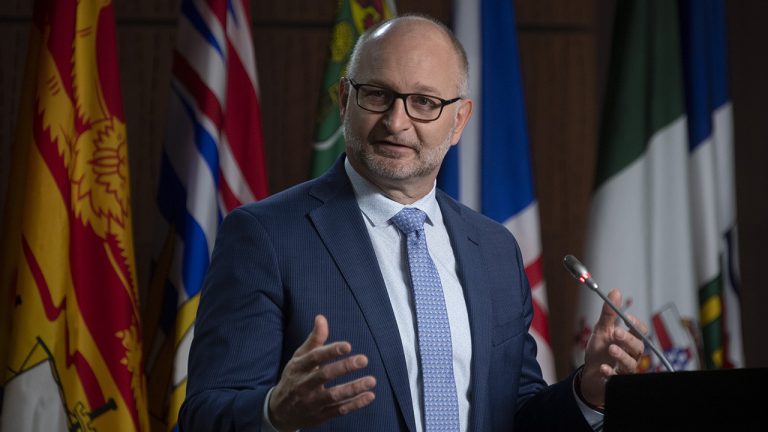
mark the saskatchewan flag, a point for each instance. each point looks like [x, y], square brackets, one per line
[662, 223]
[352, 19]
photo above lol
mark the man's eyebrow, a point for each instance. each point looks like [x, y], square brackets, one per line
[419, 88]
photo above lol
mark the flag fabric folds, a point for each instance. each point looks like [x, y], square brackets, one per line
[212, 162]
[490, 169]
[352, 19]
[662, 223]
[73, 357]
[713, 196]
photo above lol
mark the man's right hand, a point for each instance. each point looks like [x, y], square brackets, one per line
[300, 399]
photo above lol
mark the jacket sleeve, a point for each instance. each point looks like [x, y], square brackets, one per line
[237, 348]
[541, 407]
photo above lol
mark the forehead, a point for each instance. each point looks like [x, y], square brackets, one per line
[411, 57]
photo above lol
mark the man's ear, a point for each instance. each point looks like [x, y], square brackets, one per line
[343, 95]
[462, 118]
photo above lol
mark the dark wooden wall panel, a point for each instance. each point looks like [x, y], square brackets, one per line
[749, 90]
[145, 66]
[291, 65]
[14, 38]
[294, 13]
[546, 15]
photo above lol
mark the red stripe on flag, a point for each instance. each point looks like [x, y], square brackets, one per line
[205, 99]
[534, 272]
[219, 9]
[230, 200]
[84, 371]
[60, 17]
[661, 332]
[50, 154]
[243, 125]
[108, 64]
[540, 321]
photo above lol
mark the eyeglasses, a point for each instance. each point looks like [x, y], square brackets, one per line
[419, 107]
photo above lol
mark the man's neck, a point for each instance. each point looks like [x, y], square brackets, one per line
[405, 192]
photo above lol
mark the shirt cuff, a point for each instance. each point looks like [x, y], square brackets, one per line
[593, 418]
[266, 424]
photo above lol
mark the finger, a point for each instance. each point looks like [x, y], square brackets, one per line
[607, 371]
[337, 369]
[318, 356]
[628, 342]
[608, 315]
[360, 401]
[316, 338]
[624, 362]
[342, 393]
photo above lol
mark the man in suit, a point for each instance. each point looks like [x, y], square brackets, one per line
[313, 314]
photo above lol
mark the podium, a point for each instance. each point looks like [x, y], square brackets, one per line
[717, 400]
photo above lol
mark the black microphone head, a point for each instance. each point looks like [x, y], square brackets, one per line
[574, 266]
[579, 271]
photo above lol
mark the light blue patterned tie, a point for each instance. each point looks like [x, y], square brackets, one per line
[441, 410]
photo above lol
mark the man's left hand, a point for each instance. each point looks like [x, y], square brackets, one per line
[611, 350]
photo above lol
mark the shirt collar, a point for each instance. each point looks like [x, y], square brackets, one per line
[378, 208]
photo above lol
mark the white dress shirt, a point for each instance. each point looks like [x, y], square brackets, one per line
[390, 248]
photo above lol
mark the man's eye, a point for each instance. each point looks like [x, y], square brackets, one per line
[376, 94]
[424, 101]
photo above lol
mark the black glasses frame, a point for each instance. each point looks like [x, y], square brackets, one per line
[403, 96]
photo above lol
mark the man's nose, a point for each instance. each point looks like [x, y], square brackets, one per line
[396, 119]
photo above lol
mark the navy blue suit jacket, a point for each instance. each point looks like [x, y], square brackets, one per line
[306, 251]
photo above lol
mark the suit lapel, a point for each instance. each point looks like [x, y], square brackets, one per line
[342, 229]
[466, 247]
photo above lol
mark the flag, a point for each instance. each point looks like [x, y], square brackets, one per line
[73, 358]
[662, 221]
[212, 162]
[352, 19]
[713, 191]
[490, 169]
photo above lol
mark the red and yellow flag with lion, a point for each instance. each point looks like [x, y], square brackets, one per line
[71, 344]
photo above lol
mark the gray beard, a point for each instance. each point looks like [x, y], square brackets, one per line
[427, 163]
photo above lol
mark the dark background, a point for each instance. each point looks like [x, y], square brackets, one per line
[564, 48]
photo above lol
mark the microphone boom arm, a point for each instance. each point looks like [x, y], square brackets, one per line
[580, 272]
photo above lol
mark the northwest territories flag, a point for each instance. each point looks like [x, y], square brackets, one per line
[491, 170]
[663, 217]
[212, 162]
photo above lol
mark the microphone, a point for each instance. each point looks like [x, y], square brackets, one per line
[580, 272]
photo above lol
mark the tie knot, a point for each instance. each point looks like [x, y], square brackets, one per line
[409, 220]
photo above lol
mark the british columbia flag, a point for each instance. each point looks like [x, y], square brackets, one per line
[212, 162]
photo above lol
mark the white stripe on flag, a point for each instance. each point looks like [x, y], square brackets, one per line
[180, 359]
[232, 174]
[192, 170]
[203, 58]
[706, 238]
[468, 32]
[525, 227]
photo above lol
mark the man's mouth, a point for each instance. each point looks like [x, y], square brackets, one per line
[393, 146]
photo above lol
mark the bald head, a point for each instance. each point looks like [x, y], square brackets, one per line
[416, 28]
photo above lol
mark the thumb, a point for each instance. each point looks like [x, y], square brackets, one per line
[317, 337]
[608, 315]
